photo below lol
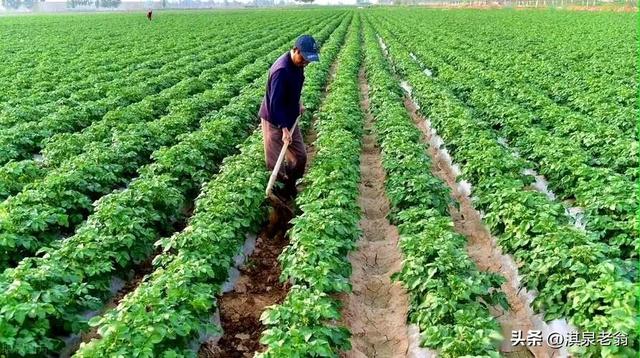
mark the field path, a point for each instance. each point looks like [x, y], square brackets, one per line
[376, 311]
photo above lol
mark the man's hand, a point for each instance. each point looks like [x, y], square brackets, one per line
[286, 136]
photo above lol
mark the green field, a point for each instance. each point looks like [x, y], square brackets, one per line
[487, 159]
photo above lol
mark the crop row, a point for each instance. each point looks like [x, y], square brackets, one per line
[608, 198]
[606, 144]
[92, 88]
[590, 76]
[14, 176]
[57, 62]
[26, 91]
[173, 305]
[448, 293]
[56, 289]
[225, 66]
[568, 269]
[122, 103]
[32, 108]
[55, 205]
[599, 82]
[321, 237]
[30, 80]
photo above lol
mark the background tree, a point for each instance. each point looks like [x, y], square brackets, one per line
[11, 4]
[91, 3]
[110, 3]
[15, 4]
[76, 3]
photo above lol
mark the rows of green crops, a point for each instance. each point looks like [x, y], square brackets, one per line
[590, 159]
[509, 103]
[162, 139]
[113, 129]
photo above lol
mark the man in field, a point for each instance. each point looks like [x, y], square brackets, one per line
[149, 14]
[280, 107]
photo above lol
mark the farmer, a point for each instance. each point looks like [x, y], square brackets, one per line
[280, 107]
[149, 14]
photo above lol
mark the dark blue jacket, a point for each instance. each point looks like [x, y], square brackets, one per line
[281, 102]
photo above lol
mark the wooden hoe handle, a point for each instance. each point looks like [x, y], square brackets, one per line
[276, 169]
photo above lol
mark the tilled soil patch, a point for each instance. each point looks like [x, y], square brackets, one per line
[240, 309]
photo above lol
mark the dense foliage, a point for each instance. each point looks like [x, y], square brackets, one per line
[321, 237]
[178, 298]
[122, 139]
[573, 273]
[449, 296]
[75, 273]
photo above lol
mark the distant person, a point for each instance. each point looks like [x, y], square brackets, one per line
[280, 107]
[149, 14]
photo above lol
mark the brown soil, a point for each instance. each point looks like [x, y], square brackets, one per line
[140, 271]
[258, 285]
[376, 311]
[240, 309]
[482, 247]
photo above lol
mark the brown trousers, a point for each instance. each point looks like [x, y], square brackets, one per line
[295, 158]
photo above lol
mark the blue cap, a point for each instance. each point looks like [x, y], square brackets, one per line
[308, 48]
